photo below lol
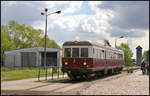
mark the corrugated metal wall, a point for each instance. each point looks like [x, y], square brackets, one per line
[51, 58]
[28, 59]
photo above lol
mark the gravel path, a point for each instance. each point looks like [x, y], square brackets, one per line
[120, 84]
[131, 84]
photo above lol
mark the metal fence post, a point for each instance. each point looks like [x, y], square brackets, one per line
[58, 72]
[52, 72]
[39, 74]
[63, 74]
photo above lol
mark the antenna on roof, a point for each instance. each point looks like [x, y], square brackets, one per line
[106, 43]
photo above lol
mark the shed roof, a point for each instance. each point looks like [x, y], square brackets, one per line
[35, 49]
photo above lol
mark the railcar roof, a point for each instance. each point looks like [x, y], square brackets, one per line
[76, 43]
[89, 43]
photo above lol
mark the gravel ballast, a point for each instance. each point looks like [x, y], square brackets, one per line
[131, 84]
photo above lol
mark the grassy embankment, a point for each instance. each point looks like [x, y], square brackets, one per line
[10, 74]
[25, 73]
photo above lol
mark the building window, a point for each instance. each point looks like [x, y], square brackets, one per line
[67, 52]
[75, 52]
[84, 52]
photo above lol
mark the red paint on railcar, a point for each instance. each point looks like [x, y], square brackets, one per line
[90, 62]
[106, 62]
[77, 62]
[99, 62]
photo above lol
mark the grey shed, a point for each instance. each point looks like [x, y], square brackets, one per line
[32, 57]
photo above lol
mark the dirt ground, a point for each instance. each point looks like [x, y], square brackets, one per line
[129, 84]
[120, 84]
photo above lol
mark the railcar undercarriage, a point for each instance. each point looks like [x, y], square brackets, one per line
[88, 74]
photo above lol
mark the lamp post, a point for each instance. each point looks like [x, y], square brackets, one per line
[46, 14]
[116, 40]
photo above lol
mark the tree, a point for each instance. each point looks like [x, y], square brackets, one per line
[146, 55]
[127, 53]
[18, 36]
[23, 36]
[50, 43]
[6, 42]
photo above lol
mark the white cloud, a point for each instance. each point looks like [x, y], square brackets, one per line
[77, 38]
[94, 5]
[64, 6]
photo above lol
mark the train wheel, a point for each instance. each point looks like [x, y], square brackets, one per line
[109, 71]
[88, 77]
[98, 74]
[113, 71]
[71, 76]
[117, 70]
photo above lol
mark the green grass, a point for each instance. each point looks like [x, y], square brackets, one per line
[132, 65]
[25, 73]
[146, 74]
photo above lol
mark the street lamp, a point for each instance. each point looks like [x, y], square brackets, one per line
[116, 40]
[46, 14]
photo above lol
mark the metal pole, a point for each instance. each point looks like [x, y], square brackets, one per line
[45, 64]
[63, 74]
[58, 72]
[45, 45]
[39, 73]
[115, 42]
[52, 73]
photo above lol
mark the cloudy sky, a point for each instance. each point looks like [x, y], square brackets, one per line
[85, 20]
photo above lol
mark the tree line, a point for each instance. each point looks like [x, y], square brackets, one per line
[128, 54]
[17, 36]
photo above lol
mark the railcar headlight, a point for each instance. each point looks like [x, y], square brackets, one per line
[84, 63]
[66, 63]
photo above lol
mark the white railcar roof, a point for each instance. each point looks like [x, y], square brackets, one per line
[91, 43]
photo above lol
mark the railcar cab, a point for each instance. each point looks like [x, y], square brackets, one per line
[77, 54]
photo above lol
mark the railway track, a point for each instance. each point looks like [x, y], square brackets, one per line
[65, 86]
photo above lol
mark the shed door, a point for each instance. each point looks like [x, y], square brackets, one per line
[28, 59]
[51, 58]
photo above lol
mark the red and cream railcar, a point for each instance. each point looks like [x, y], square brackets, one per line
[81, 58]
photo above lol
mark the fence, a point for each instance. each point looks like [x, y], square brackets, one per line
[50, 71]
[18, 73]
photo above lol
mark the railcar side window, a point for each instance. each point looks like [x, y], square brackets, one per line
[120, 56]
[67, 52]
[84, 52]
[75, 52]
[100, 54]
[107, 55]
[102, 51]
[93, 50]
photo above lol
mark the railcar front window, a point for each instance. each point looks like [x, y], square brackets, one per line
[67, 52]
[75, 52]
[84, 52]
